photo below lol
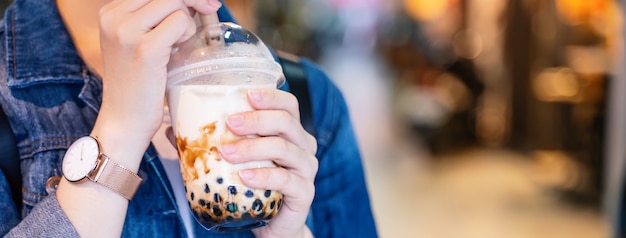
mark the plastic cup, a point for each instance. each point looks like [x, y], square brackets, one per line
[208, 80]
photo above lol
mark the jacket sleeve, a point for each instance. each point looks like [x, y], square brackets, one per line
[341, 207]
[8, 216]
[56, 225]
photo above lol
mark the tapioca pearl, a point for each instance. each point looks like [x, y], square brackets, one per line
[246, 216]
[201, 202]
[217, 198]
[257, 205]
[261, 215]
[272, 204]
[220, 180]
[269, 216]
[217, 211]
[193, 196]
[232, 207]
[280, 203]
[206, 188]
[232, 190]
[249, 193]
[267, 193]
[230, 218]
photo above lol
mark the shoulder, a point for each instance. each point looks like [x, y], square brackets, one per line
[325, 95]
[324, 92]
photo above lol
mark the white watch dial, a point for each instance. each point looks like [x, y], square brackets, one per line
[81, 158]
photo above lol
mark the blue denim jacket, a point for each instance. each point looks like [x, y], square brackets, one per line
[51, 99]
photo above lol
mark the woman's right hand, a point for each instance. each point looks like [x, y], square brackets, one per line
[136, 38]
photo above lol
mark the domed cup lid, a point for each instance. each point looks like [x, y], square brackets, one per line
[225, 49]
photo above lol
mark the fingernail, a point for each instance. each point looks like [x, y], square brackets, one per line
[235, 120]
[255, 95]
[215, 3]
[246, 174]
[228, 149]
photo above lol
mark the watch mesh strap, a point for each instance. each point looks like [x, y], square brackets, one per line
[117, 178]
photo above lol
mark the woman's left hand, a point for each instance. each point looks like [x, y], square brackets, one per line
[284, 141]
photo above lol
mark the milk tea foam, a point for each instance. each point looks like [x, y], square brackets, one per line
[214, 189]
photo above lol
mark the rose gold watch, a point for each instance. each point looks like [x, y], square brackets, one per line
[84, 159]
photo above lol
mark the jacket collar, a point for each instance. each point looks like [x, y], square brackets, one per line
[39, 47]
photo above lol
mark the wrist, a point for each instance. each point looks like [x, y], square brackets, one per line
[121, 146]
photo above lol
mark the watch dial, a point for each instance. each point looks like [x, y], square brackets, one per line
[80, 159]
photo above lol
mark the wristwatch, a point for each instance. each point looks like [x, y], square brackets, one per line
[84, 159]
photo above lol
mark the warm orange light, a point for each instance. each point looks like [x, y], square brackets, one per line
[426, 10]
[575, 12]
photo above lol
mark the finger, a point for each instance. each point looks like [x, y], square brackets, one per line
[274, 99]
[111, 13]
[272, 123]
[298, 194]
[298, 191]
[282, 152]
[126, 27]
[155, 12]
[169, 31]
[126, 5]
[204, 6]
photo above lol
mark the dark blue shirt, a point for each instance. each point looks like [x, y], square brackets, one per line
[51, 98]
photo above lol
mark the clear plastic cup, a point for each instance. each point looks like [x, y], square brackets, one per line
[208, 79]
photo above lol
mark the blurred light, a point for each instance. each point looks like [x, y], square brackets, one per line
[588, 60]
[575, 12]
[491, 124]
[557, 85]
[560, 170]
[426, 10]
[467, 44]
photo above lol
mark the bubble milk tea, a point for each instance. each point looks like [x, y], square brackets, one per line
[214, 189]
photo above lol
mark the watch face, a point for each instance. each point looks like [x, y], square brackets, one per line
[81, 158]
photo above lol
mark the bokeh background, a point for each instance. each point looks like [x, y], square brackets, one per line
[475, 118]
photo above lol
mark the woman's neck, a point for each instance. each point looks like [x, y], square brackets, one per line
[81, 21]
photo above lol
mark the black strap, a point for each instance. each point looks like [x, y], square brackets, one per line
[10, 160]
[299, 86]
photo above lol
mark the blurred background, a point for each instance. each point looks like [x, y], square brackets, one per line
[476, 118]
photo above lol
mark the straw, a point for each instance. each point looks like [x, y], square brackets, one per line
[214, 32]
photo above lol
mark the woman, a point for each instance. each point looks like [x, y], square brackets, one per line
[76, 68]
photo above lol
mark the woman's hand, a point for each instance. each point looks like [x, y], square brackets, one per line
[284, 141]
[136, 38]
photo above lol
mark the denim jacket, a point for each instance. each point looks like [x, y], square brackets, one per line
[51, 99]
